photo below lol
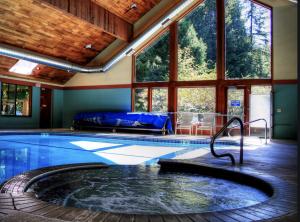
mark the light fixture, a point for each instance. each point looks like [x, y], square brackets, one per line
[23, 67]
[166, 22]
[130, 52]
[88, 46]
[294, 1]
[133, 5]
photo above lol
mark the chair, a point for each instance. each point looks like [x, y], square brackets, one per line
[207, 122]
[185, 121]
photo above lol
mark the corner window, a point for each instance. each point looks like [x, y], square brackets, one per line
[248, 40]
[152, 64]
[15, 100]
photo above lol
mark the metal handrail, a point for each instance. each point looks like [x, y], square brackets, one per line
[253, 121]
[212, 142]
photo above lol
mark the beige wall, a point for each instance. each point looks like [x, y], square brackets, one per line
[285, 42]
[118, 74]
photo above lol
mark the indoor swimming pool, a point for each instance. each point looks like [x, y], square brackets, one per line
[23, 152]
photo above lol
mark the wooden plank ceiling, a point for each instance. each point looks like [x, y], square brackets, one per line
[123, 8]
[62, 28]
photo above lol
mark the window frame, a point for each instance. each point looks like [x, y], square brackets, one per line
[221, 83]
[15, 101]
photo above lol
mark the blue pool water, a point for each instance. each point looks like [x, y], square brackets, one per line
[23, 152]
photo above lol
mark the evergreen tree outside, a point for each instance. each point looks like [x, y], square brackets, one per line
[197, 43]
[247, 42]
[152, 65]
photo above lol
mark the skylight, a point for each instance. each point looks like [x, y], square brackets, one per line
[23, 67]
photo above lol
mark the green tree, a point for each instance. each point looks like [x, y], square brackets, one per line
[153, 63]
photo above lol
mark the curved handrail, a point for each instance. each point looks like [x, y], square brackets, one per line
[212, 142]
[253, 121]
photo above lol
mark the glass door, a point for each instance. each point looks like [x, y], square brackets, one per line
[236, 103]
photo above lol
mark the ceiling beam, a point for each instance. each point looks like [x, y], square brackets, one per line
[96, 15]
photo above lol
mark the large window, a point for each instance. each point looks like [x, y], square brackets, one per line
[152, 64]
[200, 100]
[248, 40]
[197, 43]
[208, 61]
[15, 100]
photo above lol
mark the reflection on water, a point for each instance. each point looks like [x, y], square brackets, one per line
[143, 189]
[20, 153]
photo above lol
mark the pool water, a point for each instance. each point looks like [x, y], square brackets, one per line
[23, 152]
[144, 190]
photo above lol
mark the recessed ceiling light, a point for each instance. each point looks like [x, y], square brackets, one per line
[23, 67]
[88, 46]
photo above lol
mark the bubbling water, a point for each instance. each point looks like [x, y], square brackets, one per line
[144, 190]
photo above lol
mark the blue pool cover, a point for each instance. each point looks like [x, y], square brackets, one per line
[126, 119]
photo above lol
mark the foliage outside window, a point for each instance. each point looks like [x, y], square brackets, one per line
[159, 100]
[248, 40]
[15, 100]
[261, 90]
[152, 64]
[197, 43]
[141, 100]
[200, 100]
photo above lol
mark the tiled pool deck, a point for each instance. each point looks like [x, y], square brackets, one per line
[276, 163]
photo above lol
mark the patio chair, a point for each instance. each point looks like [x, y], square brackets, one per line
[185, 121]
[206, 123]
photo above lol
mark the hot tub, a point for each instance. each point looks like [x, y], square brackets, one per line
[151, 190]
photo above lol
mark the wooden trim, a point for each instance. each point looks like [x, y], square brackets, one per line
[192, 8]
[173, 49]
[50, 86]
[132, 99]
[285, 81]
[95, 15]
[192, 84]
[150, 84]
[173, 68]
[98, 87]
[245, 82]
[220, 8]
[149, 99]
[17, 82]
[133, 57]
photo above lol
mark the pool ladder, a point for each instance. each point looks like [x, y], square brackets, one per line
[213, 139]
